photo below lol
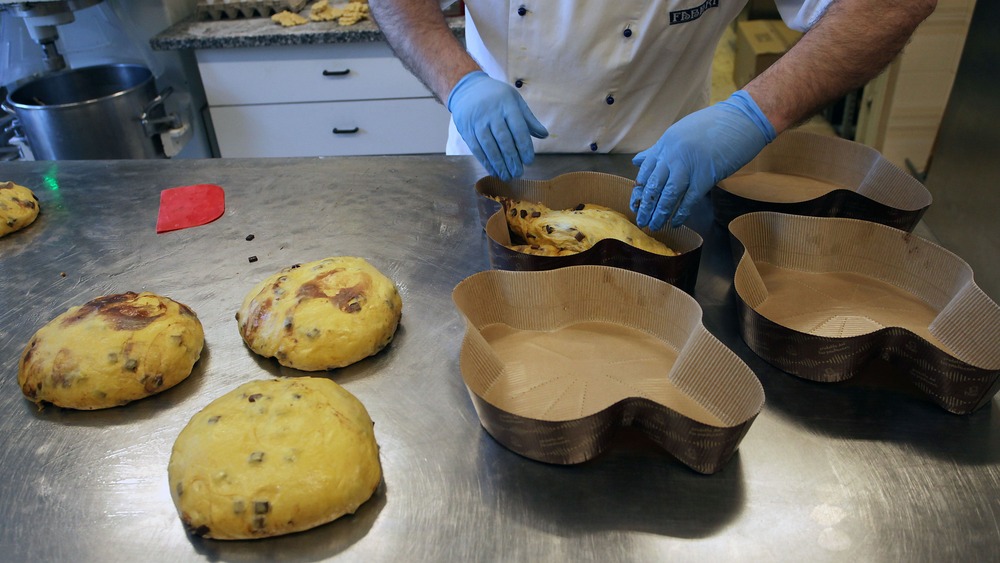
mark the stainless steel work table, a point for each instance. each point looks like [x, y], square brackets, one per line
[867, 470]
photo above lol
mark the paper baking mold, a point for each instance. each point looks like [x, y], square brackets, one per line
[804, 173]
[557, 361]
[566, 192]
[821, 298]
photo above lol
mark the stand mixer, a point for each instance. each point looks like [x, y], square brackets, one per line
[72, 110]
[42, 19]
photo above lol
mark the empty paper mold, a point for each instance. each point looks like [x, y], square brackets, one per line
[804, 173]
[557, 361]
[822, 297]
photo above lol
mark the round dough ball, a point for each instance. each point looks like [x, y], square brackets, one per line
[18, 207]
[273, 457]
[110, 351]
[321, 315]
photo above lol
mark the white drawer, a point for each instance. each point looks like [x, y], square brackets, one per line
[413, 126]
[270, 75]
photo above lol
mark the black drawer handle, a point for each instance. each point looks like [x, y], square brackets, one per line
[344, 72]
[337, 131]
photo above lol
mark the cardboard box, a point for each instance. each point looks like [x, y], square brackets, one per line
[759, 43]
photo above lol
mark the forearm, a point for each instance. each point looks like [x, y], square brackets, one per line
[418, 34]
[845, 49]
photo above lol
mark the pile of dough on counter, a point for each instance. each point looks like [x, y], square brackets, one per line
[273, 457]
[269, 457]
[18, 207]
[321, 315]
[110, 351]
[345, 14]
[557, 232]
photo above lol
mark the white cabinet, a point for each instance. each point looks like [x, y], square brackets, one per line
[318, 100]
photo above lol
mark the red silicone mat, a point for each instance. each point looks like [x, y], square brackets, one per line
[190, 206]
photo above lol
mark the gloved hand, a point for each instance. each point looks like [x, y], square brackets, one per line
[693, 154]
[496, 123]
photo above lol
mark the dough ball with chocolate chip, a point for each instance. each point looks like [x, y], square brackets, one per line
[321, 315]
[110, 351]
[18, 207]
[273, 457]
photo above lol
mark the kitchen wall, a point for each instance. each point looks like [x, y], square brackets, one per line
[901, 109]
[964, 167]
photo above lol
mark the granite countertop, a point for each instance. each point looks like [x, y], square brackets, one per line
[196, 33]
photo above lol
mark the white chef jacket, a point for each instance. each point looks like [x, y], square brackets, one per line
[606, 75]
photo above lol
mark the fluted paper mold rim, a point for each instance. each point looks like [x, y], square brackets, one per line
[961, 375]
[715, 399]
[870, 186]
[567, 191]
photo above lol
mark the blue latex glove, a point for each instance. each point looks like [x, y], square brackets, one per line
[693, 155]
[496, 123]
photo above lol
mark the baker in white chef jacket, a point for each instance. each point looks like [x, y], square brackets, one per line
[576, 76]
